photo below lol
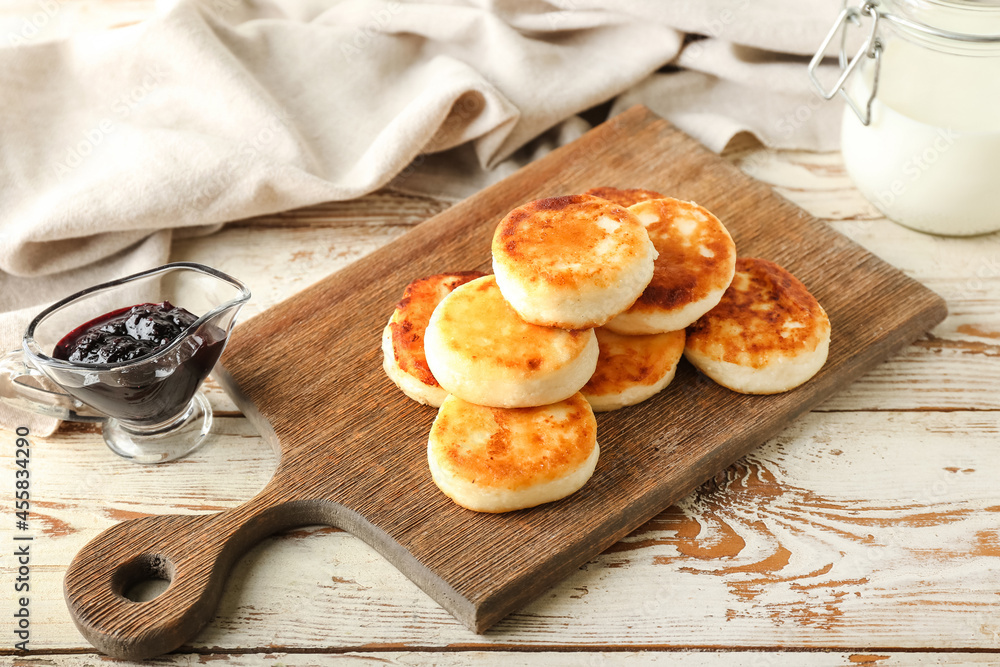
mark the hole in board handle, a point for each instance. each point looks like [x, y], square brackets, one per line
[143, 578]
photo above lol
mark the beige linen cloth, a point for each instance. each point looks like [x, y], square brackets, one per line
[215, 110]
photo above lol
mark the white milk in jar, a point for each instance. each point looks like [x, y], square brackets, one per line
[929, 155]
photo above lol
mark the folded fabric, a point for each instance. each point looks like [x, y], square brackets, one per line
[219, 110]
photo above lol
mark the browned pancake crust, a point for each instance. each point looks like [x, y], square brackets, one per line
[747, 325]
[413, 311]
[628, 361]
[544, 234]
[624, 197]
[484, 312]
[681, 274]
[544, 448]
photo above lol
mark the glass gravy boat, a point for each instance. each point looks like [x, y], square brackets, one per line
[150, 407]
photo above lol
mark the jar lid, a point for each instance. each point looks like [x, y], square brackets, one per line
[957, 20]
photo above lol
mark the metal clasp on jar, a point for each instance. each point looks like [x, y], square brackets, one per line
[870, 48]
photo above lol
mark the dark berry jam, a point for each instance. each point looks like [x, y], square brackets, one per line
[149, 392]
[125, 335]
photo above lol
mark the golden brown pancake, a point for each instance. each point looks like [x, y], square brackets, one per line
[768, 334]
[404, 360]
[631, 369]
[696, 260]
[626, 197]
[572, 262]
[498, 460]
[481, 351]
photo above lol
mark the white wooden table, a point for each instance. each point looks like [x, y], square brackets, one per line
[868, 532]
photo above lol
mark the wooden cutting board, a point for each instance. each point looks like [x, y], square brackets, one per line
[308, 372]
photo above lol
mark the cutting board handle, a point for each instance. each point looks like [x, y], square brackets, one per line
[193, 553]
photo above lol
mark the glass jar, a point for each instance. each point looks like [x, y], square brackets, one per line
[921, 132]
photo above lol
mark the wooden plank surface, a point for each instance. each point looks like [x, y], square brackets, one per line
[272, 605]
[936, 398]
[594, 658]
[847, 530]
[353, 447]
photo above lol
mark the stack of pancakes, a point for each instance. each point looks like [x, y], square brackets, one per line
[586, 311]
